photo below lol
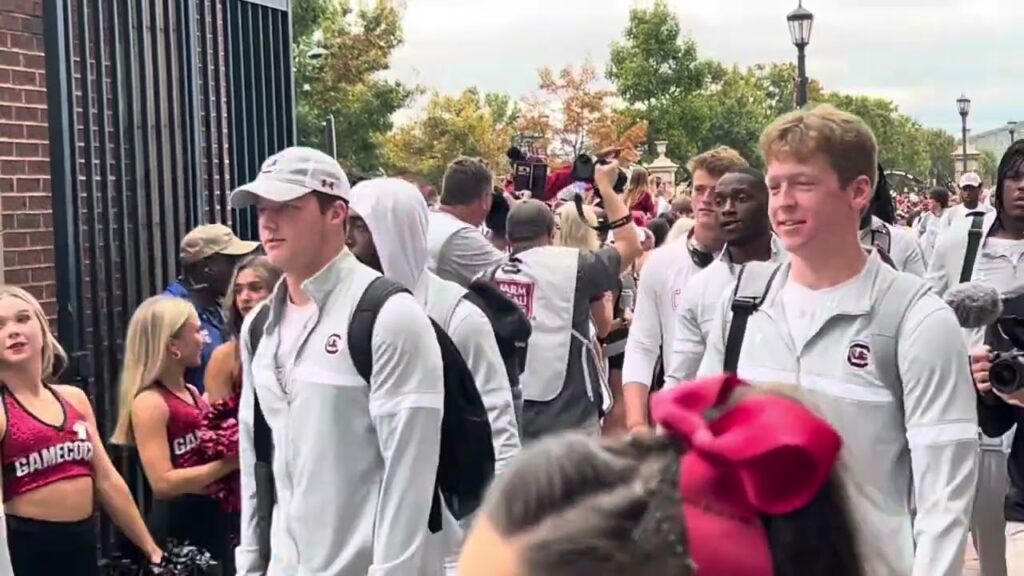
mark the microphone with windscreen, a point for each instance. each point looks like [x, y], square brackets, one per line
[975, 305]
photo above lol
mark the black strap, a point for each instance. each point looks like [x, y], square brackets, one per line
[742, 308]
[263, 443]
[973, 243]
[360, 327]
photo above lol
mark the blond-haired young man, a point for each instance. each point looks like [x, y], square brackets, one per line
[649, 347]
[870, 348]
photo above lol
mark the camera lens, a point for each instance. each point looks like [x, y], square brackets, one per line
[1005, 375]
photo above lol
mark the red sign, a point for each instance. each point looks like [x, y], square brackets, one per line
[519, 292]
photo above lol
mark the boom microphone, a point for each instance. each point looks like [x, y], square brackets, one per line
[975, 305]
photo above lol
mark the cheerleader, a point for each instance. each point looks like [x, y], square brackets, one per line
[54, 464]
[254, 279]
[162, 416]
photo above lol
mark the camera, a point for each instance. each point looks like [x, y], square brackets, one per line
[1007, 372]
[1006, 338]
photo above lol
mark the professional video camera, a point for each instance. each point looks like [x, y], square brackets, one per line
[528, 172]
[1002, 317]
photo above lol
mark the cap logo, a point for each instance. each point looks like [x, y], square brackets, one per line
[859, 355]
[327, 183]
[270, 167]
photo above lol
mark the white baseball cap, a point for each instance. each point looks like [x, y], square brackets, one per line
[291, 173]
[970, 179]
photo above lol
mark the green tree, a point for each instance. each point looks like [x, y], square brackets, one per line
[660, 76]
[504, 109]
[345, 81]
[901, 140]
[988, 167]
[449, 126]
[939, 145]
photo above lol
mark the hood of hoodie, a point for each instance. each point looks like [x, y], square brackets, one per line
[396, 215]
[1013, 157]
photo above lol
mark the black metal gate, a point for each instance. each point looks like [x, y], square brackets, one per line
[156, 109]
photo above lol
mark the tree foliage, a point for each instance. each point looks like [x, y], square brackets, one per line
[939, 145]
[451, 126]
[988, 167]
[696, 104]
[345, 82]
[571, 113]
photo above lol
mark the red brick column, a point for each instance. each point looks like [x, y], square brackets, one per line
[26, 214]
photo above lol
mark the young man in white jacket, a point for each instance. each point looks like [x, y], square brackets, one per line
[998, 253]
[354, 462]
[742, 202]
[387, 231]
[867, 346]
[660, 289]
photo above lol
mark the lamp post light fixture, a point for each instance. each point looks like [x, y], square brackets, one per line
[800, 22]
[963, 105]
[1012, 127]
[318, 51]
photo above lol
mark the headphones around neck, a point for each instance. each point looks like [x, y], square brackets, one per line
[702, 258]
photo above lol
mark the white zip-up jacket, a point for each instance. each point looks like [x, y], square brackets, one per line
[354, 463]
[904, 249]
[948, 259]
[659, 295]
[903, 442]
[991, 268]
[697, 311]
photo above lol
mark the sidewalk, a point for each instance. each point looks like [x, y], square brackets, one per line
[1014, 559]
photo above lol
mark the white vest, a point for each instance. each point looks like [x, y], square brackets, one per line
[441, 227]
[543, 282]
[443, 297]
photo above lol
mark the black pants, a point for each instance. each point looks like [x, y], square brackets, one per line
[60, 548]
[199, 521]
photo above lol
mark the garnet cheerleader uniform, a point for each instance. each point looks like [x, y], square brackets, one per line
[37, 454]
[194, 518]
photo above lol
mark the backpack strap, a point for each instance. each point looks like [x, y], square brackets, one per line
[881, 238]
[753, 282]
[888, 314]
[360, 326]
[973, 243]
[263, 443]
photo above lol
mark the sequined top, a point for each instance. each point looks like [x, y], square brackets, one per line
[183, 421]
[37, 454]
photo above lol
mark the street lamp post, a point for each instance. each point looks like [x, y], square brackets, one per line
[963, 105]
[800, 22]
[1012, 127]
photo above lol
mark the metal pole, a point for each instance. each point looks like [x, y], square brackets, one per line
[330, 137]
[963, 119]
[801, 98]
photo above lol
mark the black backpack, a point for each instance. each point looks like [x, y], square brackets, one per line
[512, 328]
[466, 464]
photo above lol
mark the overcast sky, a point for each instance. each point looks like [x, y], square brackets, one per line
[920, 53]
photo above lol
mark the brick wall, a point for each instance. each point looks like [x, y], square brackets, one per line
[26, 215]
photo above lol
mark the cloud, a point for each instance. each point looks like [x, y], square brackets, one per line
[920, 53]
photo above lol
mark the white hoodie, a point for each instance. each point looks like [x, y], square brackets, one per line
[397, 217]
